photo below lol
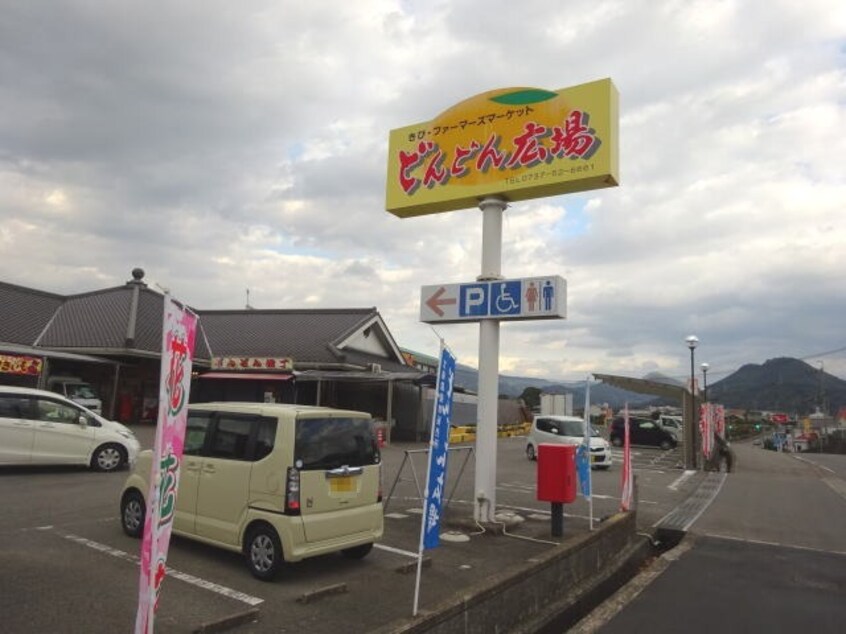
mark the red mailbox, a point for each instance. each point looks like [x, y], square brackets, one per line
[557, 473]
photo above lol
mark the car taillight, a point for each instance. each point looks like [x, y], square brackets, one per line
[292, 492]
[379, 496]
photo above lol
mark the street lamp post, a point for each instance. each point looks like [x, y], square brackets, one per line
[705, 367]
[690, 430]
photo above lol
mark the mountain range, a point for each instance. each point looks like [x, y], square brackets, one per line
[781, 384]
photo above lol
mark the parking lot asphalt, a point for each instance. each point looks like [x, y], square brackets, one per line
[68, 567]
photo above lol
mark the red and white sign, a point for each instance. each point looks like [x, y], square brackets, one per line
[252, 363]
[177, 355]
[706, 428]
[16, 364]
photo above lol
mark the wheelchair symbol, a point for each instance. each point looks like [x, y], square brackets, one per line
[505, 303]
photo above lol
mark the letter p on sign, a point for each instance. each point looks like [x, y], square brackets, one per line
[473, 300]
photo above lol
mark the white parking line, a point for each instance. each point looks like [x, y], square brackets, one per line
[176, 574]
[396, 551]
[680, 480]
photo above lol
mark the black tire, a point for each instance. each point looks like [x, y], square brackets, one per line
[108, 457]
[530, 452]
[603, 467]
[357, 552]
[263, 552]
[666, 444]
[616, 441]
[132, 513]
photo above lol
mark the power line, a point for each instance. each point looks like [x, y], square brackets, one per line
[823, 354]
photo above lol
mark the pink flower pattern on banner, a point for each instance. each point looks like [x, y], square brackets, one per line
[178, 334]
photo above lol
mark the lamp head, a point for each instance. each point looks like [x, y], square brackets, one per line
[705, 367]
[692, 340]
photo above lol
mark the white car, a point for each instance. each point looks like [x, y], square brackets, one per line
[567, 430]
[674, 425]
[43, 428]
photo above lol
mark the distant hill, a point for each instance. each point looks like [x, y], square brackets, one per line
[657, 377]
[783, 384]
[513, 386]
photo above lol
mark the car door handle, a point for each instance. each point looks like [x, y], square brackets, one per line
[192, 465]
[22, 424]
[207, 468]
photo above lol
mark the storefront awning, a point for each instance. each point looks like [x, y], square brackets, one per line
[247, 376]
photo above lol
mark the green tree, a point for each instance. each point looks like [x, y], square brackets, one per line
[531, 397]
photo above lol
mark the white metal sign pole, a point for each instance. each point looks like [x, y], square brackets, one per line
[486, 424]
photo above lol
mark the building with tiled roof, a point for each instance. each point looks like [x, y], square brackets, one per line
[112, 338]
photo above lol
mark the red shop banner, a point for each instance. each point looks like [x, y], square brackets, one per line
[15, 364]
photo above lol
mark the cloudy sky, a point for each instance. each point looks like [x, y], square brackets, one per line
[231, 145]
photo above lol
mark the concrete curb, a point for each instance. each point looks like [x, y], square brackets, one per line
[228, 622]
[532, 592]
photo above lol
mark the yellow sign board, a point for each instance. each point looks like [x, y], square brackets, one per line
[518, 143]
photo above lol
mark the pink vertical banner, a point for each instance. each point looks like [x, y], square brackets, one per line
[720, 420]
[706, 428]
[627, 494]
[178, 333]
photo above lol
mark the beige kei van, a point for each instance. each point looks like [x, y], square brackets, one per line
[275, 482]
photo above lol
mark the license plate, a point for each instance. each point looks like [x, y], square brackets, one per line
[341, 485]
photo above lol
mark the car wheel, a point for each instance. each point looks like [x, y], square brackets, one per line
[604, 467]
[264, 552]
[530, 452]
[666, 444]
[357, 552]
[132, 511]
[108, 458]
[616, 441]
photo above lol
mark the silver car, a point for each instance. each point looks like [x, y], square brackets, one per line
[567, 430]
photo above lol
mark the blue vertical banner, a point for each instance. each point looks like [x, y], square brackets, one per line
[583, 451]
[438, 450]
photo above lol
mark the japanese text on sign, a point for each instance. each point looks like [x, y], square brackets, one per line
[438, 450]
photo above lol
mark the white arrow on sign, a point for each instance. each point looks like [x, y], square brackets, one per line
[435, 301]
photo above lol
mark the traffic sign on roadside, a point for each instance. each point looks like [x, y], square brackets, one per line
[527, 298]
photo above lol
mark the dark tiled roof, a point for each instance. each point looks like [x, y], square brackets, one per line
[303, 335]
[93, 320]
[99, 321]
[25, 313]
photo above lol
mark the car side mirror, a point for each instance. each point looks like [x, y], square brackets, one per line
[83, 420]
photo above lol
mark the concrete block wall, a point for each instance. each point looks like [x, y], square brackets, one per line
[525, 593]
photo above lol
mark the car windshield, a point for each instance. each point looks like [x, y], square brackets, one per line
[329, 443]
[81, 390]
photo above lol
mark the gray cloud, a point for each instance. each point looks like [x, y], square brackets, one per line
[225, 147]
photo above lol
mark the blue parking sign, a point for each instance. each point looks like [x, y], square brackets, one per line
[473, 300]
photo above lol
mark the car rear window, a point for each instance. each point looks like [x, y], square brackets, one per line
[329, 443]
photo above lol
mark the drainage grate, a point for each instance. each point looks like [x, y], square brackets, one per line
[686, 513]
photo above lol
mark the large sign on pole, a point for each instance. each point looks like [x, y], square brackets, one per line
[542, 297]
[518, 143]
